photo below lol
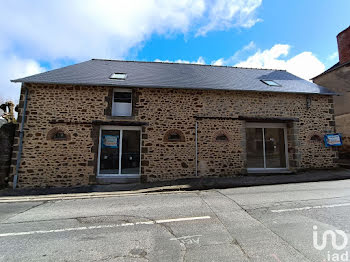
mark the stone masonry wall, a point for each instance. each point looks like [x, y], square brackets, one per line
[343, 127]
[58, 163]
[220, 158]
[74, 110]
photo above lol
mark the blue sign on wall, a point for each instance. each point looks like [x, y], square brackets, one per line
[333, 140]
[109, 141]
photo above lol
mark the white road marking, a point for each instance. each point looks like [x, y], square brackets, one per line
[309, 207]
[181, 219]
[185, 237]
[160, 221]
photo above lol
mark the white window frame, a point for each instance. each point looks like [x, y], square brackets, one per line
[121, 129]
[118, 76]
[270, 125]
[114, 104]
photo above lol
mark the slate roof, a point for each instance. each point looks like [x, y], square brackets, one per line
[172, 75]
[332, 68]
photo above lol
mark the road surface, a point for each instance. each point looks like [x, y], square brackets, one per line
[265, 223]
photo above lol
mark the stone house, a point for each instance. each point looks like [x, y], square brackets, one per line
[337, 79]
[108, 121]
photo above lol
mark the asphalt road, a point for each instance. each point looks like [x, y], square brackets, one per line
[266, 223]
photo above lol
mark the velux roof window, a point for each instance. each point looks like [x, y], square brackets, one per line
[118, 76]
[270, 83]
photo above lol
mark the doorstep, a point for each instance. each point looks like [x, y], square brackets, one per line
[267, 172]
[106, 180]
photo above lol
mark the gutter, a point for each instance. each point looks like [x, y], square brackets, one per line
[15, 178]
[168, 87]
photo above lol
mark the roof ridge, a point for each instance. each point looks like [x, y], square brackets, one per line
[332, 68]
[171, 63]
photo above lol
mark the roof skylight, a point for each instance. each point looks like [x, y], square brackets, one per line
[118, 76]
[270, 83]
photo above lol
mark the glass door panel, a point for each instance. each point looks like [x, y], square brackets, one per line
[274, 148]
[109, 155]
[255, 148]
[266, 147]
[131, 152]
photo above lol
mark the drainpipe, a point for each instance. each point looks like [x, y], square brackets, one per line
[15, 178]
[196, 148]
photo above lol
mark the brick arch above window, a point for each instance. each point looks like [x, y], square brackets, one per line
[174, 135]
[58, 134]
[221, 137]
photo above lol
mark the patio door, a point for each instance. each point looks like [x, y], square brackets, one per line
[266, 147]
[119, 151]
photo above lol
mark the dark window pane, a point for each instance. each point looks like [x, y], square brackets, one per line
[221, 138]
[255, 148]
[122, 97]
[275, 148]
[174, 137]
[131, 152]
[109, 157]
[59, 136]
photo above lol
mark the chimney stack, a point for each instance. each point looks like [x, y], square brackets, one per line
[343, 39]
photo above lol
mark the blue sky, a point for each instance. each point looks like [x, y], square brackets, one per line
[299, 36]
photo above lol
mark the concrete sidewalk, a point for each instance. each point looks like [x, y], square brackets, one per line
[177, 185]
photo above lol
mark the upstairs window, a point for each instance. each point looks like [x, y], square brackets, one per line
[122, 102]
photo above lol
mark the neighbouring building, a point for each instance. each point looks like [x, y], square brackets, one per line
[7, 132]
[108, 121]
[337, 79]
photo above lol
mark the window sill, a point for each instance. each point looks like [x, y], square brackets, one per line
[120, 117]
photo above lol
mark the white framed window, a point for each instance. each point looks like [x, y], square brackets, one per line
[118, 76]
[266, 147]
[119, 152]
[122, 102]
[270, 82]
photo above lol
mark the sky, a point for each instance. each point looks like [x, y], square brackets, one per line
[41, 35]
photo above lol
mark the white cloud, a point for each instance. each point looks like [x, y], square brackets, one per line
[233, 59]
[200, 61]
[91, 28]
[267, 58]
[305, 65]
[219, 62]
[333, 56]
[225, 14]
[83, 29]
[13, 67]
[52, 31]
